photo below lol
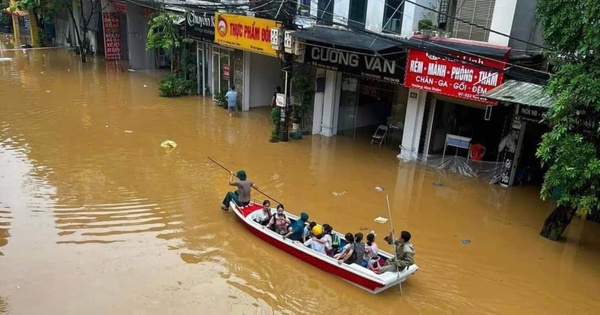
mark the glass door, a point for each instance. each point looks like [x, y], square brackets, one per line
[222, 70]
[348, 106]
[216, 72]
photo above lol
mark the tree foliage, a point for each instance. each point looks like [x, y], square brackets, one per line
[571, 149]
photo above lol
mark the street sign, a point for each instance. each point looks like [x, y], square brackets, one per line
[280, 100]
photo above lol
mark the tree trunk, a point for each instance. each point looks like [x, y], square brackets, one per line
[557, 222]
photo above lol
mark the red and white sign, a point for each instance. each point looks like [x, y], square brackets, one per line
[455, 77]
[112, 36]
[119, 6]
[226, 72]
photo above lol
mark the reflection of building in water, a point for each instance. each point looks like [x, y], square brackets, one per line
[5, 219]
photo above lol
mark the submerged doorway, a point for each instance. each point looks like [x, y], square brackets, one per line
[221, 70]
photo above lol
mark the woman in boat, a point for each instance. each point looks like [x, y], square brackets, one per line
[371, 252]
[359, 248]
[241, 196]
[348, 255]
[263, 216]
[279, 222]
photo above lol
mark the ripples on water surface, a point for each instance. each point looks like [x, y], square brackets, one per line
[92, 215]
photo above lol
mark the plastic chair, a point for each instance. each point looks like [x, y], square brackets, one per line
[379, 135]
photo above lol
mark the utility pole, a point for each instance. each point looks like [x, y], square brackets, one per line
[287, 12]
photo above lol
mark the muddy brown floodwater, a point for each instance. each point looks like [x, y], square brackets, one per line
[97, 218]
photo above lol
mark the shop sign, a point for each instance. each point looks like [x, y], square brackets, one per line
[533, 114]
[353, 62]
[453, 77]
[112, 36]
[119, 6]
[280, 99]
[200, 26]
[226, 72]
[245, 32]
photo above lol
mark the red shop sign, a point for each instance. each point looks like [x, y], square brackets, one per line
[226, 72]
[457, 77]
[112, 36]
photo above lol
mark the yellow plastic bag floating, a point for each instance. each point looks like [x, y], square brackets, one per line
[169, 144]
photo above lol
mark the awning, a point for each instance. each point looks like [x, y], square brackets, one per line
[459, 45]
[519, 92]
[16, 12]
[347, 39]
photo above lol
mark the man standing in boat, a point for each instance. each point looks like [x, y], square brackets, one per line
[241, 196]
[404, 253]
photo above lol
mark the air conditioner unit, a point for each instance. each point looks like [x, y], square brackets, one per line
[287, 40]
[276, 38]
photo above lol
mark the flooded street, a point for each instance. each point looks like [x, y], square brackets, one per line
[97, 218]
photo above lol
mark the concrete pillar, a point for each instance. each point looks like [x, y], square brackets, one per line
[502, 21]
[34, 31]
[318, 104]
[331, 102]
[137, 30]
[413, 123]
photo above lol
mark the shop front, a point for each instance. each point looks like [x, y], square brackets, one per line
[359, 81]
[243, 57]
[447, 119]
[200, 26]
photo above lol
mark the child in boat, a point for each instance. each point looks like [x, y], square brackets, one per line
[326, 239]
[262, 216]
[317, 232]
[279, 222]
[348, 255]
[371, 252]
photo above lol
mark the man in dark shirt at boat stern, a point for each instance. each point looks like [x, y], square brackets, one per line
[405, 252]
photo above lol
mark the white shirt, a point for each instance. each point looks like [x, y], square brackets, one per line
[259, 216]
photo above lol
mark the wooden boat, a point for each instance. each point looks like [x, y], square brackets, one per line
[353, 273]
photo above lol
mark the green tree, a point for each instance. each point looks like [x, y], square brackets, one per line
[163, 34]
[571, 149]
[48, 10]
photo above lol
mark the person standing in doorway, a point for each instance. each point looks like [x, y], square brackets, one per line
[231, 97]
[274, 99]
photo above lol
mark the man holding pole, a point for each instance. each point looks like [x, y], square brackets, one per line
[242, 195]
[404, 253]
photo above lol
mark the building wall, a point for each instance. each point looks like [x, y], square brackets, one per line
[524, 27]
[374, 21]
[502, 20]
[265, 76]
[137, 30]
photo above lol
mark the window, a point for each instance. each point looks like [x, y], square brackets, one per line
[392, 15]
[325, 11]
[357, 14]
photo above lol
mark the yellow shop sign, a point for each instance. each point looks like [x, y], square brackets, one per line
[245, 32]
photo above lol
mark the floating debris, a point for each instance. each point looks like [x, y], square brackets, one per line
[379, 188]
[145, 85]
[128, 131]
[381, 220]
[168, 144]
[465, 241]
[335, 193]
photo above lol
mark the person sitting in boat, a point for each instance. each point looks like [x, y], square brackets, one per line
[241, 196]
[371, 252]
[308, 230]
[297, 228]
[348, 255]
[359, 248]
[263, 216]
[318, 234]
[405, 252]
[279, 222]
[325, 239]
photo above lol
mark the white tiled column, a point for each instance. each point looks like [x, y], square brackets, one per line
[331, 102]
[413, 123]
